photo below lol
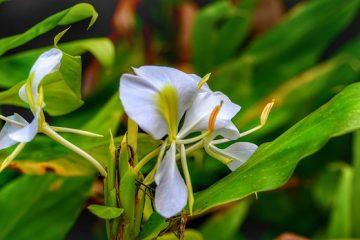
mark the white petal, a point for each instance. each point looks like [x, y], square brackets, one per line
[230, 131]
[171, 193]
[182, 82]
[240, 152]
[46, 63]
[8, 128]
[27, 133]
[198, 115]
[22, 93]
[138, 95]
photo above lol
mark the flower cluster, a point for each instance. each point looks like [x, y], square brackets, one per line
[169, 104]
[18, 130]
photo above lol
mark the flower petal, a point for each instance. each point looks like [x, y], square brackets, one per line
[8, 128]
[182, 82]
[198, 115]
[28, 132]
[139, 96]
[230, 132]
[46, 63]
[171, 193]
[240, 152]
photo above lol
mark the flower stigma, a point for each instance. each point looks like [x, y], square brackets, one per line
[213, 115]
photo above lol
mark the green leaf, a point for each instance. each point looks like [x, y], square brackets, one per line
[31, 205]
[226, 223]
[153, 226]
[340, 219]
[105, 212]
[272, 164]
[218, 31]
[267, 61]
[189, 234]
[15, 68]
[71, 15]
[356, 189]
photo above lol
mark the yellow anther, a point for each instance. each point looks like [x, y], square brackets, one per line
[265, 112]
[204, 80]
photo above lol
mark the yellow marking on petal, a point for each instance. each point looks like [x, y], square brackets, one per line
[167, 103]
[204, 80]
[213, 116]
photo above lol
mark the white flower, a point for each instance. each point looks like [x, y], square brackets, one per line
[18, 130]
[23, 132]
[157, 98]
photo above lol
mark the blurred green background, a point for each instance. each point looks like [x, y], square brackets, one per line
[300, 53]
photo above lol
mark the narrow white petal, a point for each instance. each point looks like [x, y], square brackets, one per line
[198, 115]
[46, 63]
[240, 152]
[28, 132]
[171, 193]
[137, 96]
[8, 128]
[230, 131]
[182, 82]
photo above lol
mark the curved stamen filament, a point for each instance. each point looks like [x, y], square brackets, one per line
[6, 119]
[12, 156]
[187, 177]
[263, 118]
[75, 131]
[194, 139]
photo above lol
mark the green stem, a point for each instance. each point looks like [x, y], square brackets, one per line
[56, 137]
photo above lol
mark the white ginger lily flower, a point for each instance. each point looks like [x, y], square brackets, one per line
[157, 98]
[18, 130]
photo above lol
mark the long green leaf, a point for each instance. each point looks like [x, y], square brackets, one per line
[45, 207]
[71, 15]
[272, 164]
[356, 186]
[286, 50]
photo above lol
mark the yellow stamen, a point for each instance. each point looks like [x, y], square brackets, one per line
[213, 115]
[204, 80]
[265, 112]
[167, 103]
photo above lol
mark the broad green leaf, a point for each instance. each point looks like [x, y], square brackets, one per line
[226, 224]
[272, 164]
[218, 31]
[189, 234]
[340, 218]
[153, 226]
[108, 117]
[68, 16]
[15, 68]
[287, 49]
[105, 212]
[309, 89]
[355, 211]
[45, 207]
